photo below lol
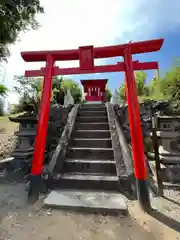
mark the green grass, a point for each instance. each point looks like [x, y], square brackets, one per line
[6, 117]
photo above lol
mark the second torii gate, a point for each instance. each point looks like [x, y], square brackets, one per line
[86, 56]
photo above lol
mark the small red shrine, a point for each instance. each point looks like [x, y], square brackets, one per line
[94, 89]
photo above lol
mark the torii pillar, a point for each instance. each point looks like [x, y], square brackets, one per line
[95, 89]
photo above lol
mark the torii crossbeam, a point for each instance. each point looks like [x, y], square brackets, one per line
[119, 67]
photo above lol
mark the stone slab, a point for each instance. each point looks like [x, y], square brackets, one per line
[93, 103]
[87, 201]
[89, 177]
[93, 153]
[92, 134]
[92, 119]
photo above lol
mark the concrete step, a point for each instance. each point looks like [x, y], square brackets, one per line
[92, 113]
[91, 142]
[94, 202]
[90, 153]
[92, 126]
[96, 108]
[86, 181]
[93, 105]
[98, 119]
[91, 134]
[90, 166]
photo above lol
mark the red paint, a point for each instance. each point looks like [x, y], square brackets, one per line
[99, 52]
[38, 158]
[86, 58]
[97, 69]
[95, 89]
[134, 119]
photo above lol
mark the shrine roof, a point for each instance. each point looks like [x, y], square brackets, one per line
[94, 83]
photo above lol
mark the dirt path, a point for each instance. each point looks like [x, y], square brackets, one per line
[18, 221]
[23, 222]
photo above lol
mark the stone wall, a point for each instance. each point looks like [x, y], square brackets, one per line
[167, 132]
[57, 120]
[27, 132]
[147, 110]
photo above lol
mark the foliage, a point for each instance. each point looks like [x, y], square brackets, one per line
[122, 92]
[76, 91]
[16, 16]
[1, 107]
[171, 88]
[15, 109]
[3, 93]
[140, 83]
[108, 95]
[159, 89]
[30, 90]
[3, 90]
[141, 89]
[58, 92]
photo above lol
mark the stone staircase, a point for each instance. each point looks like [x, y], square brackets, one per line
[88, 179]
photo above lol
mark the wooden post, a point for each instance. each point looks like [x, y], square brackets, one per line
[156, 152]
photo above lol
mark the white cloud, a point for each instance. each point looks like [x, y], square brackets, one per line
[65, 25]
[143, 19]
[69, 24]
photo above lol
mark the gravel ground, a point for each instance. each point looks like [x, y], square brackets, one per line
[23, 222]
[7, 138]
[19, 221]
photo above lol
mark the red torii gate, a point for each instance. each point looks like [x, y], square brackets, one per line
[86, 56]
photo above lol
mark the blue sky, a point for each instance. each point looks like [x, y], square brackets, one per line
[69, 24]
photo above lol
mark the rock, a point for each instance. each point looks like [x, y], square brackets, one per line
[49, 212]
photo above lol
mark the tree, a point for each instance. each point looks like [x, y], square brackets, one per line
[76, 91]
[16, 16]
[122, 92]
[3, 90]
[141, 89]
[171, 88]
[155, 88]
[167, 88]
[116, 98]
[108, 95]
[140, 77]
[1, 107]
[58, 91]
[30, 90]
[159, 89]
